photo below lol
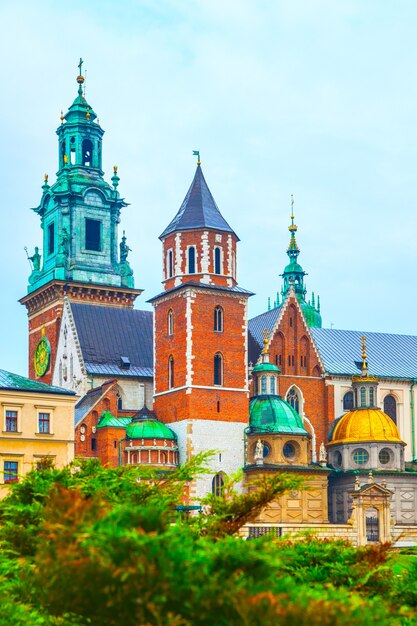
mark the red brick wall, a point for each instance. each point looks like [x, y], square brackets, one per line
[216, 403]
[50, 320]
[193, 238]
[294, 353]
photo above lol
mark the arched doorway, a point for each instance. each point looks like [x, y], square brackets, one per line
[372, 525]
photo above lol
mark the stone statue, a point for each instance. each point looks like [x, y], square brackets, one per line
[124, 249]
[322, 454]
[65, 242]
[259, 452]
[36, 260]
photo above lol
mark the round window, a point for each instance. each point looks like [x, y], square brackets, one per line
[360, 456]
[384, 456]
[337, 459]
[289, 450]
[266, 450]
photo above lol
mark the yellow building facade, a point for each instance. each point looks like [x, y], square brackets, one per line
[37, 423]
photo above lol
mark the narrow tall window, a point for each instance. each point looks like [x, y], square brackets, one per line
[171, 372]
[170, 322]
[44, 423]
[92, 234]
[390, 407]
[217, 260]
[363, 396]
[11, 421]
[87, 153]
[272, 385]
[371, 396]
[293, 399]
[51, 238]
[191, 260]
[10, 471]
[218, 369]
[170, 264]
[218, 319]
[263, 386]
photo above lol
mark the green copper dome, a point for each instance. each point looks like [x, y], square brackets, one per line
[266, 367]
[271, 414]
[149, 429]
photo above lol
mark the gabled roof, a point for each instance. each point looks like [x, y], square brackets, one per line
[87, 402]
[389, 356]
[15, 382]
[108, 333]
[199, 209]
[256, 325]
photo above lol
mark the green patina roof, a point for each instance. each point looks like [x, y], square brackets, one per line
[273, 414]
[20, 383]
[149, 429]
[107, 419]
[266, 367]
[312, 315]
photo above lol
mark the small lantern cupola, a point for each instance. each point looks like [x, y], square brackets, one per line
[364, 385]
[79, 134]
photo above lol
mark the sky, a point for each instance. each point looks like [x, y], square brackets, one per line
[314, 98]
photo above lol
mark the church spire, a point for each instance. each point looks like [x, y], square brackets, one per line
[293, 276]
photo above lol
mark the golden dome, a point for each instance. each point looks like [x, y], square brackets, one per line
[365, 425]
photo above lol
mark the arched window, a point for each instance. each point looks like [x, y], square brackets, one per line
[390, 407]
[363, 396]
[170, 264]
[119, 401]
[293, 399]
[272, 385]
[87, 153]
[348, 401]
[217, 484]
[191, 260]
[218, 369]
[304, 352]
[170, 322]
[371, 396]
[263, 385]
[218, 319]
[171, 372]
[217, 260]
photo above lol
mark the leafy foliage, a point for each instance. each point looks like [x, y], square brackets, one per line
[93, 546]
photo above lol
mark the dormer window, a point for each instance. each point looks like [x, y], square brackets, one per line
[87, 152]
[191, 260]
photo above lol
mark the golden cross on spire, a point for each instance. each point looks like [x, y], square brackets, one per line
[292, 227]
[265, 333]
[80, 66]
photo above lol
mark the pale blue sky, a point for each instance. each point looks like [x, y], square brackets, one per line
[312, 97]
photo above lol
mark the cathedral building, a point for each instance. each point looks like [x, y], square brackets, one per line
[267, 394]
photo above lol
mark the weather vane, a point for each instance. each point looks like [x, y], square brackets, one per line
[197, 154]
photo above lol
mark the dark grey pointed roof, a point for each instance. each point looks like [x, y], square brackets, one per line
[198, 210]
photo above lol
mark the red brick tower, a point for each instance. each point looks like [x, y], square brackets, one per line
[201, 386]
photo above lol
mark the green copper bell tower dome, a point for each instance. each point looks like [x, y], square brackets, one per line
[80, 211]
[81, 258]
[293, 276]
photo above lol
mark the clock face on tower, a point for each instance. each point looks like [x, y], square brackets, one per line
[41, 356]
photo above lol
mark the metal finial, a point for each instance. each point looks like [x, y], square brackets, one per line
[45, 177]
[292, 227]
[265, 333]
[364, 357]
[197, 154]
[61, 117]
[80, 77]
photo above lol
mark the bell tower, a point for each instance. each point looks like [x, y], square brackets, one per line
[80, 257]
[201, 385]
